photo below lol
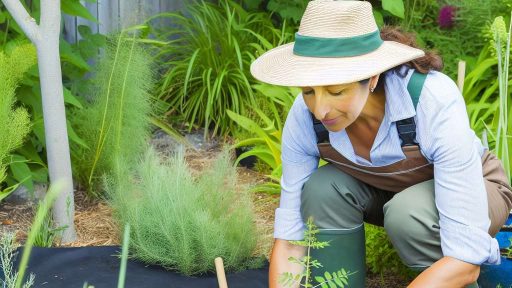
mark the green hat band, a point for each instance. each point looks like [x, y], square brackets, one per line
[336, 47]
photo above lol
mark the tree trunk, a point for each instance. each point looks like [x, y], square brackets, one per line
[46, 39]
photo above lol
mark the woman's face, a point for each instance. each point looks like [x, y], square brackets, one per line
[337, 106]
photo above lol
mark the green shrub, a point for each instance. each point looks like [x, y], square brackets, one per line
[15, 120]
[207, 62]
[183, 222]
[116, 123]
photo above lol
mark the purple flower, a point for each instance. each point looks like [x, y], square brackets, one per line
[446, 17]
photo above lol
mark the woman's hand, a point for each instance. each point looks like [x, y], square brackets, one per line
[279, 261]
[447, 272]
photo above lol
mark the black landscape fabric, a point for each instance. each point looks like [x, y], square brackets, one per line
[99, 267]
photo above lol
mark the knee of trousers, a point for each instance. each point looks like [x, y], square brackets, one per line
[411, 221]
[328, 197]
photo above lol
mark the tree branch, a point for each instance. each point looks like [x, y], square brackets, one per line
[24, 20]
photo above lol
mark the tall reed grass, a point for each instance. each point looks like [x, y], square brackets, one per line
[503, 131]
[184, 222]
[116, 123]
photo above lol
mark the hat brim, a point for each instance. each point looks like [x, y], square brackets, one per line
[280, 66]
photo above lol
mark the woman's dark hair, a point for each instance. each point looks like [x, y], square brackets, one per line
[431, 60]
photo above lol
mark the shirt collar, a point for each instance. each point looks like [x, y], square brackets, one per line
[398, 100]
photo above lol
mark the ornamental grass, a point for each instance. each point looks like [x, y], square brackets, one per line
[115, 123]
[182, 222]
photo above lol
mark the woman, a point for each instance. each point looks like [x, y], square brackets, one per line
[401, 153]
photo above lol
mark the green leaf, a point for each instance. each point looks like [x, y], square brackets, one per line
[338, 282]
[30, 153]
[395, 7]
[68, 55]
[40, 174]
[74, 8]
[21, 172]
[71, 99]
[74, 137]
[6, 192]
[319, 279]
[38, 129]
[379, 19]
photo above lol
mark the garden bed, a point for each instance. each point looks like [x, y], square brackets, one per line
[96, 227]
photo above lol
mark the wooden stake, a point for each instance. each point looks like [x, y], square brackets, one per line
[221, 275]
[461, 75]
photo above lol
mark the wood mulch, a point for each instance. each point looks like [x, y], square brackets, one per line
[96, 227]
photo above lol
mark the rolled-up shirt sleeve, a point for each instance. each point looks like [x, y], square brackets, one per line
[300, 157]
[460, 194]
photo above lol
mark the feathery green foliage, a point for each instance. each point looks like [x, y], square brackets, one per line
[208, 61]
[15, 121]
[116, 124]
[183, 222]
[7, 256]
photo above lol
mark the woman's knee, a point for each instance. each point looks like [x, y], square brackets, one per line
[327, 197]
[411, 221]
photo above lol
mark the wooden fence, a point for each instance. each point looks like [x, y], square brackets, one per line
[114, 15]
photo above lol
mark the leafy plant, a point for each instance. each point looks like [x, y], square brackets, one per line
[266, 137]
[47, 233]
[183, 222]
[15, 120]
[381, 257]
[333, 279]
[487, 97]
[207, 62]
[116, 123]
[288, 10]
[470, 17]
[29, 161]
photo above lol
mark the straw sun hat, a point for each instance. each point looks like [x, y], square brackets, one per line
[338, 42]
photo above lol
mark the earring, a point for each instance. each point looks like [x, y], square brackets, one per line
[372, 89]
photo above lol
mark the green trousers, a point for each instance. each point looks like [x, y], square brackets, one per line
[339, 202]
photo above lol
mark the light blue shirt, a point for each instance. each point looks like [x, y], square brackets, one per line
[446, 140]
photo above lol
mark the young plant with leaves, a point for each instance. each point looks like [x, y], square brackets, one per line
[331, 279]
[115, 124]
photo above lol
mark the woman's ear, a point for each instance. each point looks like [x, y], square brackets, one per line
[374, 80]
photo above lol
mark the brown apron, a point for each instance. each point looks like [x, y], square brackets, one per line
[415, 169]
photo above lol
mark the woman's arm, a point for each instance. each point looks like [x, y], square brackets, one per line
[279, 261]
[447, 272]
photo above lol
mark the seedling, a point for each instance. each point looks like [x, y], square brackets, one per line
[337, 278]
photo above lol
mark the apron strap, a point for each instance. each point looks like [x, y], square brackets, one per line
[406, 127]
